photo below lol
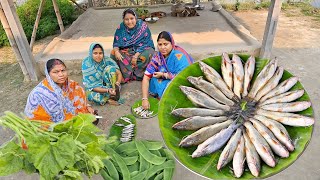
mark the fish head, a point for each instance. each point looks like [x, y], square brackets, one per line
[176, 113]
[193, 80]
[279, 70]
[202, 65]
[236, 60]
[185, 89]
[250, 61]
[225, 58]
[197, 153]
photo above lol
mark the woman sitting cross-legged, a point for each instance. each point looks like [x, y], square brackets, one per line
[132, 46]
[101, 77]
[56, 98]
[164, 66]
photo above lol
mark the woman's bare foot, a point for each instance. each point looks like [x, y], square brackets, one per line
[113, 102]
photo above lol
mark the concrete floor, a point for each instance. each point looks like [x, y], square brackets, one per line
[191, 33]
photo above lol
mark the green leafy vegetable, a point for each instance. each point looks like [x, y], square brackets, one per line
[56, 151]
[11, 158]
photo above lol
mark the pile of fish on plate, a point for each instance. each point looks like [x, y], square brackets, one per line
[128, 129]
[143, 112]
[247, 122]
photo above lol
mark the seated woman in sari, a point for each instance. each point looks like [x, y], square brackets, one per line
[164, 66]
[132, 46]
[101, 77]
[56, 98]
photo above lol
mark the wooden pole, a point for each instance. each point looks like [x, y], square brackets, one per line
[20, 39]
[270, 29]
[36, 24]
[56, 10]
[90, 4]
[13, 44]
[75, 2]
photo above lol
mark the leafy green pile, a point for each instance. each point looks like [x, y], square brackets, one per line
[55, 151]
[142, 12]
[138, 160]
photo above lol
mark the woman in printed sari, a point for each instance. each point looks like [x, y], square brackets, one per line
[132, 46]
[164, 66]
[56, 98]
[101, 77]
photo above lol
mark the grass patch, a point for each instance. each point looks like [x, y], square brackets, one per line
[306, 9]
[245, 6]
[290, 9]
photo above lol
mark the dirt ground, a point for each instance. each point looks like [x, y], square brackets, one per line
[296, 44]
[293, 32]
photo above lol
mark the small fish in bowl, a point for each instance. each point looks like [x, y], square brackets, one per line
[152, 19]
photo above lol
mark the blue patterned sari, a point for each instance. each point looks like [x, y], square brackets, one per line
[102, 74]
[177, 60]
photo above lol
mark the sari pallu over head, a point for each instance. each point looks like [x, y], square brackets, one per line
[139, 38]
[93, 71]
[177, 60]
[48, 102]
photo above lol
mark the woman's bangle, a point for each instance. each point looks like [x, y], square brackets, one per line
[108, 90]
[144, 99]
[164, 76]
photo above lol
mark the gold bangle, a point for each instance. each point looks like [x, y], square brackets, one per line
[144, 99]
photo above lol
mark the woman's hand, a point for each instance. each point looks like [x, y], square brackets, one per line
[118, 55]
[158, 75]
[90, 109]
[145, 104]
[112, 91]
[134, 61]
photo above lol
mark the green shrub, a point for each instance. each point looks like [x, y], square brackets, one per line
[263, 5]
[48, 24]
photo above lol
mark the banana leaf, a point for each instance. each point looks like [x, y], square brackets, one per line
[117, 130]
[154, 104]
[206, 166]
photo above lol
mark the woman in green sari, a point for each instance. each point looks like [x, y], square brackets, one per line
[101, 77]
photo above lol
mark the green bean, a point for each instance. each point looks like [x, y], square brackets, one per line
[154, 169]
[105, 175]
[144, 164]
[123, 167]
[156, 152]
[163, 154]
[140, 176]
[130, 160]
[111, 169]
[168, 173]
[125, 147]
[159, 176]
[134, 167]
[134, 173]
[147, 155]
[169, 154]
[109, 150]
[153, 145]
[132, 153]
